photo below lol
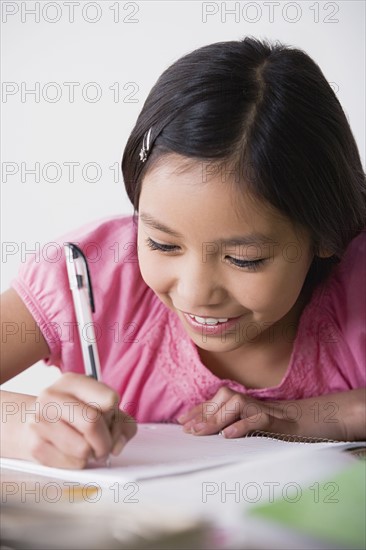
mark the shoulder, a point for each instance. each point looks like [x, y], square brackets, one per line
[107, 244]
[353, 262]
[104, 232]
[329, 353]
[339, 307]
[110, 246]
[100, 240]
[344, 293]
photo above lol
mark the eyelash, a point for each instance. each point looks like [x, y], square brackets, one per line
[241, 264]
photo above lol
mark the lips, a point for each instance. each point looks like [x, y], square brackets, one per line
[212, 329]
[210, 316]
[209, 320]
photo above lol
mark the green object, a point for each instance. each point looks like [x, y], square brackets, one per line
[333, 511]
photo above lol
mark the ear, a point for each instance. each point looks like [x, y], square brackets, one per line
[324, 253]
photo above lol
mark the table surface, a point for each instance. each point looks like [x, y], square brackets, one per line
[55, 514]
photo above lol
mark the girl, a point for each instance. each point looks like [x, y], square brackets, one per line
[234, 298]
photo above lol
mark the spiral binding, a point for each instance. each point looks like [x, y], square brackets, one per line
[292, 438]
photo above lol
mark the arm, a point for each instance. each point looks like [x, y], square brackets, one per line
[16, 355]
[17, 351]
[27, 430]
[338, 416]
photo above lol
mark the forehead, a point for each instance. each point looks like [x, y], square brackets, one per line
[213, 186]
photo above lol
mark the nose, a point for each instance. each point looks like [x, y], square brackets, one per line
[198, 284]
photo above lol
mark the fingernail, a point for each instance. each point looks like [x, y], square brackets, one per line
[231, 431]
[118, 446]
[198, 427]
[188, 425]
[100, 462]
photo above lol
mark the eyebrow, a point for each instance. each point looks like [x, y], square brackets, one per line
[251, 238]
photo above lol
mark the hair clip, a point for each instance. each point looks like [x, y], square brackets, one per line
[145, 146]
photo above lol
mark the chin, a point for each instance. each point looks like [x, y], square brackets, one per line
[215, 344]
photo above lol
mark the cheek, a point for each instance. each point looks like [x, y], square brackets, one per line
[284, 287]
[151, 269]
[274, 291]
[260, 292]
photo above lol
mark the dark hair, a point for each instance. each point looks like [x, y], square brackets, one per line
[267, 109]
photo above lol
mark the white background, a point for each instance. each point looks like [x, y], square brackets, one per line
[124, 45]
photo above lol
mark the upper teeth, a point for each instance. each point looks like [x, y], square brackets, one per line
[209, 320]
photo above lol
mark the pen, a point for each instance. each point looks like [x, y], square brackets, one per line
[82, 294]
[83, 299]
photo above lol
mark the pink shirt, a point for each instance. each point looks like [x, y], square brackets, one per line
[145, 353]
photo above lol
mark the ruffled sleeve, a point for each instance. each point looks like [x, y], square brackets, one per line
[42, 283]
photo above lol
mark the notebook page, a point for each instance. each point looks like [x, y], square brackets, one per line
[164, 449]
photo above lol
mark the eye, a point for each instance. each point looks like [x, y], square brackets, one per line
[253, 265]
[157, 246]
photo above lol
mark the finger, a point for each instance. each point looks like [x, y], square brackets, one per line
[189, 415]
[262, 422]
[228, 413]
[87, 390]
[203, 411]
[47, 453]
[123, 428]
[83, 417]
[207, 412]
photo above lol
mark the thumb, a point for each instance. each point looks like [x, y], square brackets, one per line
[122, 428]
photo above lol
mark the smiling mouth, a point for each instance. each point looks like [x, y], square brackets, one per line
[209, 320]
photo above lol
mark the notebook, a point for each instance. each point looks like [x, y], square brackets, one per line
[335, 517]
[164, 449]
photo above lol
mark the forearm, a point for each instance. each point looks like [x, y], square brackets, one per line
[16, 411]
[338, 416]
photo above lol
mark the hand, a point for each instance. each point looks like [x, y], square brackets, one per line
[334, 416]
[76, 419]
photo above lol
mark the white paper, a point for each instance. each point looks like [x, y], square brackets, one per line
[164, 449]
